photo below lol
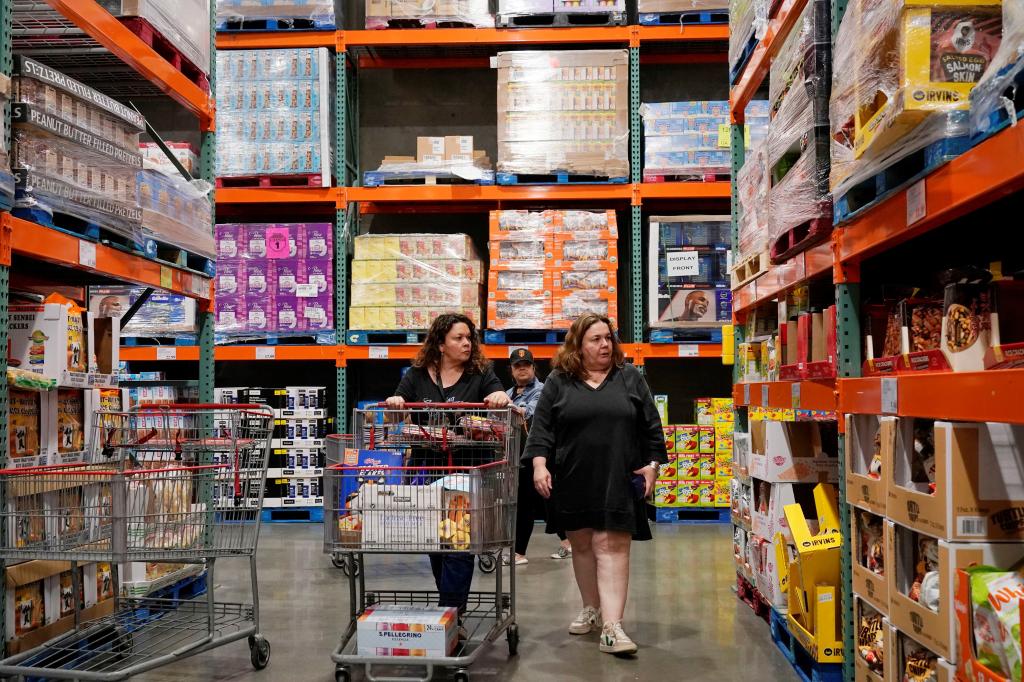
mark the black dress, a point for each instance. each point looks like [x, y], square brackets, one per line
[593, 439]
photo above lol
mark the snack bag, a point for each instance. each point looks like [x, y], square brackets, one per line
[869, 637]
[919, 664]
[875, 468]
[70, 420]
[77, 360]
[995, 596]
[925, 588]
[922, 463]
[872, 553]
[23, 429]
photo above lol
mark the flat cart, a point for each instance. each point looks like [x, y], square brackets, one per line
[161, 483]
[431, 478]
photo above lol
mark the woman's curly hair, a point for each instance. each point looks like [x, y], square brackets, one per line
[430, 352]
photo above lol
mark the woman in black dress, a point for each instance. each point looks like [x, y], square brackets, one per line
[450, 367]
[595, 444]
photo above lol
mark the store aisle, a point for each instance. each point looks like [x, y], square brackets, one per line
[682, 612]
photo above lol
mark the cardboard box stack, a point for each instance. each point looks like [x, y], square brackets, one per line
[563, 111]
[688, 265]
[75, 150]
[428, 13]
[691, 140]
[936, 537]
[274, 113]
[404, 281]
[231, 14]
[175, 212]
[447, 155]
[700, 458]
[275, 278]
[508, 10]
[549, 267]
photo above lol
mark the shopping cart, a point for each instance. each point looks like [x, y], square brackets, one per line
[431, 478]
[167, 483]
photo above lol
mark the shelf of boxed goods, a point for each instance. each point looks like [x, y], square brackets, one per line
[281, 195]
[819, 395]
[988, 172]
[813, 262]
[756, 71]
[232, 353]
[102, 27]
[62, 248]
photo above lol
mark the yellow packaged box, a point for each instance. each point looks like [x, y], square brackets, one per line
[687, 467]
[670, 439]
[707, 468]
[706, 440]
[722, 406]
[688, 493]
[723, 465]
[668, 470]
[665, 494]
[687, 439]
[702, 412]
[723, 497]
[723, 438]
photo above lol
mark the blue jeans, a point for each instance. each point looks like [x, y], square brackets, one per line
[453, 574]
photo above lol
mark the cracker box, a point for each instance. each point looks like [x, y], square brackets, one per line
[706, 440]
[70, 420]
[51, 339]
[407, 630]
[688, 467]
[924, 608]
[25, 424]
[870, 449]
[871, 648]
[665, 493]
[687, 440]
[702, 412]
[399, 515]
[958, 481]
[871, 540]
[707, 468]
[670, 439]
[791, 452]
[913, 660]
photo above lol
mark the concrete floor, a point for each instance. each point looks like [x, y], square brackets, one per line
[682, 612]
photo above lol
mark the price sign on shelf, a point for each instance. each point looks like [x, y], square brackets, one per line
[688, 350]
[795, 388]
[166, 353]
[764, 395]
[890, 396]
[166, 277]
[682, 263]
[378, 352]
[86, 254]
[916, 206]
[746, 394]
[266, 353]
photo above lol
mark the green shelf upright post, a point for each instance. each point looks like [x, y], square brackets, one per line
[6, 64]
[636, 280]
[849, 357]
[208, 172]
[342, 166]
[736, 148]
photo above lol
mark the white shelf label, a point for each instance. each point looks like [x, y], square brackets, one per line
[266, 353]
[86, 254]
[166, 353]
[688, 350]
[306, 290]
[796, 395]
[764, 395]
[746, 394]
[682, 263]
[916, 207]
[378, 352]
[889, 396]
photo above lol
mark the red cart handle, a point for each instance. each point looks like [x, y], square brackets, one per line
[201, 406]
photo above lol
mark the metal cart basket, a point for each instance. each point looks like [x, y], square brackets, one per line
[431, 478]
[161, 483]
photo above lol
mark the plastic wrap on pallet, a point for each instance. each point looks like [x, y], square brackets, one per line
[996, 90]
[442, 13]
[473, 171]
[404, 318]
[551, 221]
[275, 278]
[417, 246]
[693, 138]
[899, 66]
[521, 8]
[154, 158]
[163, 313]
[564, 111]
[459, 294]
[185, 23]
[671, 6]
[177, 212]
[687, 266]
[796, 199]
[531, 313]
[274, 113]
[320, 11]
[753, 185]
[748, 20]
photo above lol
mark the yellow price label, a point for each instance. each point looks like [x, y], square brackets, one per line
[166, 277]
[725, 136]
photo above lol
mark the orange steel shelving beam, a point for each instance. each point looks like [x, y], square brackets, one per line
[813, 395]
[779, 278]
[960, 396]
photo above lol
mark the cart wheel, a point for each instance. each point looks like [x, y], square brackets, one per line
[512, 635]
[342, 674]
[487, 563]
[338, 561]
[460, 676]
[259, 651]
[354, 568]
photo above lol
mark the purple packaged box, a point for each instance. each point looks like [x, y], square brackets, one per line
[259, 316]
[288, 315]
[254, 240]
[316, 240]
[258, 277]
[228, 241]
[230, 314]
[318, 312]
[285, 275]
[231, 278]
[319, 272]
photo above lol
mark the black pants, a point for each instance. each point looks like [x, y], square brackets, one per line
[529, 508]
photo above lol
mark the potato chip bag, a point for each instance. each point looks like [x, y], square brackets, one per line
[996, 596]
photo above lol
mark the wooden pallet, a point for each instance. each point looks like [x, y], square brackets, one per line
[802, 237]
[687, 177]
[383, 23]
[806, 668]
[524, 336]
[271, 180]
[384, 337]
[992, 122]
[684, 18]
[561, 19]
[749, 269]
[559, 178]
[148, 34]
[276, 24]
[380, 178]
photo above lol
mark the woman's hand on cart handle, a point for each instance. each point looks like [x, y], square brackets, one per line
[650, 474]
[542, 477]
[497, 399]
[395, 402]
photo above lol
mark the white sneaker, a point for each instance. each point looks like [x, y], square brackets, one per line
[520, 560]
[588, 620]
[562, 553]
[615, 641]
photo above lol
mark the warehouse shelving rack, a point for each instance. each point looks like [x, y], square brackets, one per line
[82, 38]
[984, 174]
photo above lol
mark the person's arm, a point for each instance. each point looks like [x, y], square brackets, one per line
[541, 442]
[531, 404]
[492, 392]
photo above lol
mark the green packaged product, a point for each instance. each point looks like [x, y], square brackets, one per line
[995, 596]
